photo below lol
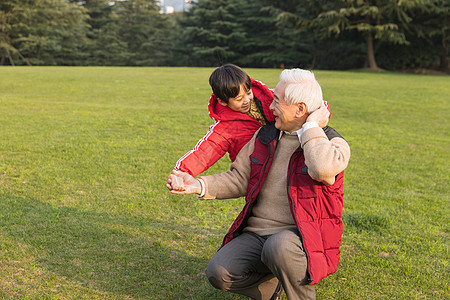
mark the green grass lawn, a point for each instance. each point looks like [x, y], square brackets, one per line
[85, 154]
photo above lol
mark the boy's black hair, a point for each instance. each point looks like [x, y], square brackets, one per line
[226, 81]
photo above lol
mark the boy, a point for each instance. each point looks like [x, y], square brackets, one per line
[239, 106]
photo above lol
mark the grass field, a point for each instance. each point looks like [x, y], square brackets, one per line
[85, 154]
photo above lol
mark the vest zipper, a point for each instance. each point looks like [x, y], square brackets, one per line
[264, 169]
[232, 230]
[291, 205]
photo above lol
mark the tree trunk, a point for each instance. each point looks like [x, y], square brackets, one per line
[24, 59]
[10, 58]
[372, 64]
[2, 60]
[444, 63]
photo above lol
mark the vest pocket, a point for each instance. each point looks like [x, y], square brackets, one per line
[257, 168]
[307, 209]
[306, 198]
[306, 185]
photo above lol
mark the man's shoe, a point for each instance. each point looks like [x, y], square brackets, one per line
[278, 292]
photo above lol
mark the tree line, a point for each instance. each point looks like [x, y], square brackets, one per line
[319, 34]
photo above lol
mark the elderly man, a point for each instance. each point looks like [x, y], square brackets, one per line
[291, 172]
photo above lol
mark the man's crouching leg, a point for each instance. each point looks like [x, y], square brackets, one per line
[237, 268]
[284, 255]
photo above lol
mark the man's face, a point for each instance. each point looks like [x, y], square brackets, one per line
[240, 103]
[285, 114]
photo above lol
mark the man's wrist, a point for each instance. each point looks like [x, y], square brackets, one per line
[309, 125]
[202, 187]
[306, 126]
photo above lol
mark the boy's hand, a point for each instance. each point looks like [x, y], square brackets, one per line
[320, 116]
[182, 183]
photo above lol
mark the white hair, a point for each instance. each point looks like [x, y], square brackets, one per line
[302, 86]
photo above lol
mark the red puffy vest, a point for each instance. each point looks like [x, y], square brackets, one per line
[316, 208]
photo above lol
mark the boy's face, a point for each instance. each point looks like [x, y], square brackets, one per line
[240, 103]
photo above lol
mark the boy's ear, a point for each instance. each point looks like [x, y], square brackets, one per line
[221, 102]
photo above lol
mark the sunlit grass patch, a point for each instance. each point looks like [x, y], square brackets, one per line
[85, 154]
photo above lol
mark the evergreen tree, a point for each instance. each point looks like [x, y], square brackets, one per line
[104, 46]
[373, 19]
[145, 32]
[179, 53]
[7, 50]
[428, 37]
[300, 43]
[267, 44]
[431, 24]
[61, 28]
[212, 32]
[47, 32]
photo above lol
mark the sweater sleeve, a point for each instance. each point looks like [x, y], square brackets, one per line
[206, 153]
[233, 183]
[324, 158]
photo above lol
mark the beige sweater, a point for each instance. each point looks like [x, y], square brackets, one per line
[271, 213]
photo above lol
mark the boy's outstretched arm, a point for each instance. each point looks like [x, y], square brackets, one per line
[206, 152]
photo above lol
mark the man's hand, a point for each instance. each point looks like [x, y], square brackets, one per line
[320, 116]
[182, 183]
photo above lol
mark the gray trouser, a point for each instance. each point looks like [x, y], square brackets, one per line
[251, 265]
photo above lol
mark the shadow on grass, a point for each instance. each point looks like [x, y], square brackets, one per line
[107, 253]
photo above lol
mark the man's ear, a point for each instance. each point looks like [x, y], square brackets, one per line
[302, 109]
[222, 102]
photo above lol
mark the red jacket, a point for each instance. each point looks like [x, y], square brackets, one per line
[229, 133]
[316, 208]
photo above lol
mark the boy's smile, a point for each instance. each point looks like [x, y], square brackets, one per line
[240, 103]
